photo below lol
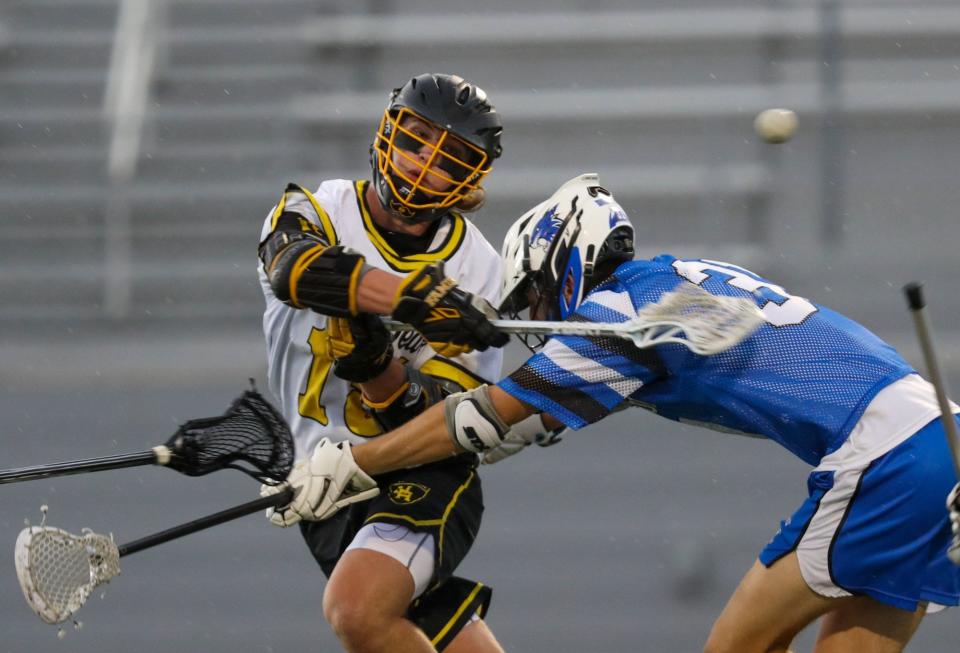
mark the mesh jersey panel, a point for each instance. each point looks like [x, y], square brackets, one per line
[803, 380]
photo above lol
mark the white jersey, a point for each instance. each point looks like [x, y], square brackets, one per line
[313, 400]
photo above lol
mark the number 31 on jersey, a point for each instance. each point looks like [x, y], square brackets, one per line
[779, 307]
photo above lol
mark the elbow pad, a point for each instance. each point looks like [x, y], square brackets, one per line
[472, 422]
[305, 272]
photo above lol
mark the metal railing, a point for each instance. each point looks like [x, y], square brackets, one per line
[132, 67]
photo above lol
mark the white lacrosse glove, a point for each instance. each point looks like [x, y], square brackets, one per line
[953, 506]
[324, 484]
[520, 436]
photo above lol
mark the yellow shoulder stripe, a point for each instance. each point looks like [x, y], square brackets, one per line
[325, 223]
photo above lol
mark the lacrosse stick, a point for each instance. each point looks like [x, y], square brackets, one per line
[58, 570]
[251, 436]
[914, 293]
[690, 316]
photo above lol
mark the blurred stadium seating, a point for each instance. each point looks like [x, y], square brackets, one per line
[245, 95]
[115, 323]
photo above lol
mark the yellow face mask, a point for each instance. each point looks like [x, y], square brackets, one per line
[425, 165]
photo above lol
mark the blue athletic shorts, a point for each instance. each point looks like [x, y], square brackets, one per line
[879, 530]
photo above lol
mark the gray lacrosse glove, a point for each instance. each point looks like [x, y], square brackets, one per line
[520, 436]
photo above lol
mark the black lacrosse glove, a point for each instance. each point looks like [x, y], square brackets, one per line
[452, 320]
[361, 347]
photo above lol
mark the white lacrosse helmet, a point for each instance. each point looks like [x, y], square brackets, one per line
[566, 236]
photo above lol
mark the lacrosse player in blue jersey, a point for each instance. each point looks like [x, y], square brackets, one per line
[867, 550]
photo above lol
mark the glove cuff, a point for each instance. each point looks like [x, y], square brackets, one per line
[362, 370]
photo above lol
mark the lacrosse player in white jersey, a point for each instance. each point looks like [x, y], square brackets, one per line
[869, 550]
[331, 261]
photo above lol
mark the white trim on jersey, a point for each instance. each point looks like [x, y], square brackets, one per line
[895, 413]
[590, 370]
[618, 302]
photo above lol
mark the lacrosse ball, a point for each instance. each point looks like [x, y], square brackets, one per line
[776, 125]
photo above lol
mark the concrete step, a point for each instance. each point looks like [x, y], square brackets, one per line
[52, 14]
[218, 85]
[239, 13]
[59, 48]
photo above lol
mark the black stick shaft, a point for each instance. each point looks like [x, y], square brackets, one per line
[77, 467]
[206, 522]
[914, 293]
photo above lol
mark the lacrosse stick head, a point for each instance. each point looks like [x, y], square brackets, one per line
[707, 324]
[58, 570]
[251, 436]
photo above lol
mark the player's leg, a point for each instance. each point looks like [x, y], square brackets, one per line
[863, 624]
[367, 598]
[424, 522]
[385, 568]
[475, 637]
[767, 610]
[873, 529]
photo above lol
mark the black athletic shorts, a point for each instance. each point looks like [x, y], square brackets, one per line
[444, 499]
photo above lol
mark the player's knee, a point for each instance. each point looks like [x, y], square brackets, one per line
[723, 640]
[356, 623]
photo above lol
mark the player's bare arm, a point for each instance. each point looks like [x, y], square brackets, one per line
[429, 437]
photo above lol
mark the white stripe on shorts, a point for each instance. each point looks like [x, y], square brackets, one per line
[813, 550]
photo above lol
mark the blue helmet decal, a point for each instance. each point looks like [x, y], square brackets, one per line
[617, 214]
[546, 228]
[574, 269]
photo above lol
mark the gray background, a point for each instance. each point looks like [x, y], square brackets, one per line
[128, 305]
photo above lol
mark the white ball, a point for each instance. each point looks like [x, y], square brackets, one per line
[776, 125]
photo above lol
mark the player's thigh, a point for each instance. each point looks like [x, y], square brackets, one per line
[863, 624]
[769, 607]
[368, 584]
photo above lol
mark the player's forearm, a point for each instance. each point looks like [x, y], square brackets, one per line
[551, 422]
[422, 440]
[510, 409]
[377, 292]
[384, 386]
[426, 438]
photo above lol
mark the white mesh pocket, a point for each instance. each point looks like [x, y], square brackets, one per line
[58, 571]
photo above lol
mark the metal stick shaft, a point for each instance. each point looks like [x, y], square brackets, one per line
[77, 467]
[206, 522]
[914, 293]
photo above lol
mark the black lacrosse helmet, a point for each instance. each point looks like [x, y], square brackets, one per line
[461, 157]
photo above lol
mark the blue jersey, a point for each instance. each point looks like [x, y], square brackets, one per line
[803, 379]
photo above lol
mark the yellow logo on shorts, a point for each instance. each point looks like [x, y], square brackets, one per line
[407, 493]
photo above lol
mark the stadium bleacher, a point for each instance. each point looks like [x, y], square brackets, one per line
[246, 95]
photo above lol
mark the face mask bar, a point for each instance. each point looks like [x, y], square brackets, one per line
[395, 140]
